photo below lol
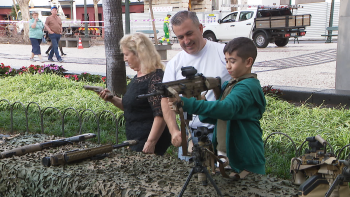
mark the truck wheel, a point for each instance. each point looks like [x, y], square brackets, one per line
[210, 36]
[260, 40]
[282, 42]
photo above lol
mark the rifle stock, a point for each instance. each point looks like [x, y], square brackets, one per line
[76, 155]
[45, 145]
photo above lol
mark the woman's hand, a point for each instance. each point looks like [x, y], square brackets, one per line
[176, 139]
[149, 147]
[104, 95]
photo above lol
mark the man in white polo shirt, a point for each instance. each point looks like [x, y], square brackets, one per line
[206, 56]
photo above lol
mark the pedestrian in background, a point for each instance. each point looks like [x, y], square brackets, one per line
[50, 47]
[53, 25]
[35, 35]
[166, 29]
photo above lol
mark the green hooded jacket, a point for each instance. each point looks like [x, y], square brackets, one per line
[242, 109]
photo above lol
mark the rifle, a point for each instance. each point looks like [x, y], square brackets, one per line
[45, 145]
[97, 89]
[192, 86]
[75, 155]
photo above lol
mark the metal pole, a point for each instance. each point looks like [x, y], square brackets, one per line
[85, 19]
[71, 9]
[329, 37]
[127, 17]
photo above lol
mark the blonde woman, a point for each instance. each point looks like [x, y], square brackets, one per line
[143, 117]
[35, 35]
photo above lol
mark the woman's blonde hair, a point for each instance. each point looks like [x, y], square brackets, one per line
[143, 48]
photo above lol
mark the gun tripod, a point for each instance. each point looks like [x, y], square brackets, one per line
[199, 157]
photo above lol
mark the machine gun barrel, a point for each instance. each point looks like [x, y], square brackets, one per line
[45, 145]
[75, 155]
[158, 92]
[97, 89]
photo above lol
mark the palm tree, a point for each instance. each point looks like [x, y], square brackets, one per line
[113, 32]
[24, 7]
[96, 14]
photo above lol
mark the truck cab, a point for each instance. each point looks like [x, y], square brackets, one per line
[233, 25]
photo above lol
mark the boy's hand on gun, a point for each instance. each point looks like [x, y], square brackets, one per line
[171, 102]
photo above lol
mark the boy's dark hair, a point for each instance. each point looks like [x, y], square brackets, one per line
[181, 16]
[244, 46]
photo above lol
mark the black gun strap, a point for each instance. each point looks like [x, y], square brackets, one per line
[183, 133]
[222, 165]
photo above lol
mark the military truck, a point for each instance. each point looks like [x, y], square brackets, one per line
[263, 25]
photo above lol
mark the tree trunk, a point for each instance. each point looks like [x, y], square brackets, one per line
[96, 15]
[115, 66]
[24, 7]
[153, 24]
[14, 5]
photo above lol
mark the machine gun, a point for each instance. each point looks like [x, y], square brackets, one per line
[97, 89]
[75, 155]
[45, 145]
[326, 173]
[192, 86]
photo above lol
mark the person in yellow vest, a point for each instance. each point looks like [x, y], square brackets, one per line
[166, 29]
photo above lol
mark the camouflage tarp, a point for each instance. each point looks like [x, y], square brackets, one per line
[122, 173]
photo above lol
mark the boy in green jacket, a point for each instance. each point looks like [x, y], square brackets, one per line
[237, 112]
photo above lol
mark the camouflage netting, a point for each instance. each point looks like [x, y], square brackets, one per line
[122, 173]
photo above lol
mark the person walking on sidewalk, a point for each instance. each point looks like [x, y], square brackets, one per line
[53, 25]
[166, 29]
[50, 47]
[35, 35]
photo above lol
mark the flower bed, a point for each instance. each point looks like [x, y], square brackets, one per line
[6, 71]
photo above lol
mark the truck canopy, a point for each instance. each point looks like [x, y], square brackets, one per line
[273, 12]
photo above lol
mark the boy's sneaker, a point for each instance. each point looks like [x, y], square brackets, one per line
[51, 60]
[31, 59]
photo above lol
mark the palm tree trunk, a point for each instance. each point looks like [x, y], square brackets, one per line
[24, 7]
[14, 5]
[115, 66]
[153, 24]
[96, 14]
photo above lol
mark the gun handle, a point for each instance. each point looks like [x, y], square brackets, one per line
[335, 183]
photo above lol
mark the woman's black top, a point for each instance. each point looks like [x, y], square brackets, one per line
[139, 113]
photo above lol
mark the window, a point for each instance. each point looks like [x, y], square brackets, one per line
[45, 13]
[245, 15]
[230, 18]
